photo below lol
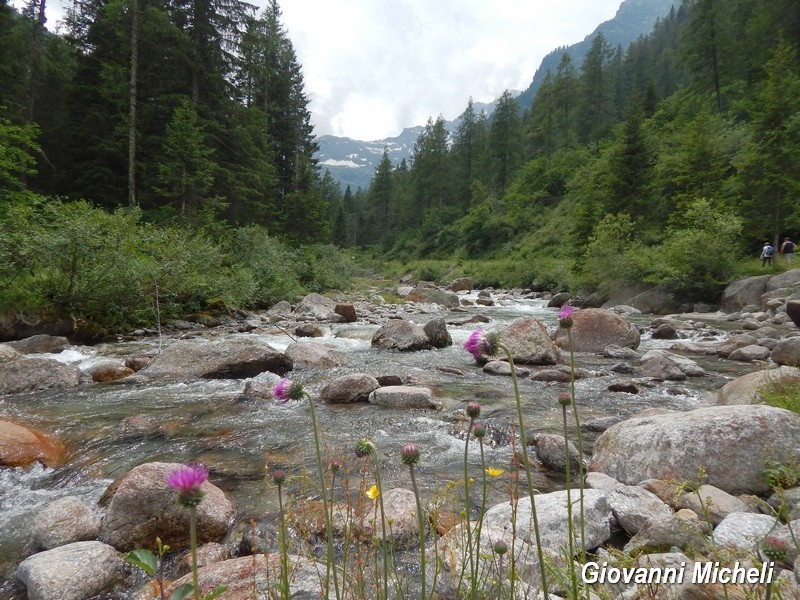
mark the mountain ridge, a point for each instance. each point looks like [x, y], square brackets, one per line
[353, 162]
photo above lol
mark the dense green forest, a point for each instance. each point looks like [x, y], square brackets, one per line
[156, 156]
[665, 163]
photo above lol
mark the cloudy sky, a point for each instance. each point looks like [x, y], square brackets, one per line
[373, 67]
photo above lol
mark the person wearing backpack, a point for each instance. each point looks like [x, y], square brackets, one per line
[766, 254]
[787, 249]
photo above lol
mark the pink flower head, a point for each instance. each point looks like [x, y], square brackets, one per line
[187, 480]
[480, 343]
[286, 390]
[409, 454]
[565, 316]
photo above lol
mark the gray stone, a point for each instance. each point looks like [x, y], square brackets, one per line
[142, 507]
[402, 335]
[552, 516]
[403, 396]
[749, 389]
[529, 343]
[73, 572]
[729, 443]
[353, 387]
[36, 374]
[787, 352]
[750, 353]
[317, 307]
[40, 344]
[63, 522]
[712, 504]
[632, 506]
[258, 576]
[314, 355]
[237, 357]
[743, 530]
[503, 367]
[665, 532]
[596, 328]
[744, 292]
[551, 451]
[436, 331]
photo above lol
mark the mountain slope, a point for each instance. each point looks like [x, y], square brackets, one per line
[353, 162]
[633, 19]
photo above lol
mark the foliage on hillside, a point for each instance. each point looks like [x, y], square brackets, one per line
[665, 162]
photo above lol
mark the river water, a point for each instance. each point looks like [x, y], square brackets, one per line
[110, 428]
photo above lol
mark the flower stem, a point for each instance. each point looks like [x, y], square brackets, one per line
[329, 566]
[580, 439]
[284, 554]
[467, 511]
[524, 444]
[421, 525]
[384, 541]
[570, 534]
[193, 544]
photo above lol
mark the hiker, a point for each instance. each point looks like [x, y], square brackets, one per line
[787, 249]
[766, 254]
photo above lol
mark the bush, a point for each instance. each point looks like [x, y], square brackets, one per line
[74, 259]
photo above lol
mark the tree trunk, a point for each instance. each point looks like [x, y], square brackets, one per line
[132, 103]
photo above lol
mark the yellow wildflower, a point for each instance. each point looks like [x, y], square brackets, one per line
[492, 472]
[373, 492]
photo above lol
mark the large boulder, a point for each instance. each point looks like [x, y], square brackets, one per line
[436, 331]
[788, 279]
[403, 396]
[552, 517]
[595, 328]
[433, 295]
[353, 387]
[462, 284]
[793, 311]
[317, 306]
[7, 353]
[529, 343]
[656, 301]
[744, 292]
[142, 507]
[787, 352]
[729, 444]
[632, 506]
[72, 572]
[20, 447]
[40, 344]
[232, 358]
[107, 369]
[240, 575]
[314, 355]
[402, 335]
[64, 521]
[36, 374]
[749, 389]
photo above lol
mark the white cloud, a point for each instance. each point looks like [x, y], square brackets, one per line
[372, 67]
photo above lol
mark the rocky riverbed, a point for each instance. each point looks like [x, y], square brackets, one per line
[677, 439]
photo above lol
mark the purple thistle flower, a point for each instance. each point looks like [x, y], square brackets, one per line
[565, 316]
[409, 454]
[286, 390]
[473, 409]
[187, 481]
[279, 476]
[479, 431]
[480, 343]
